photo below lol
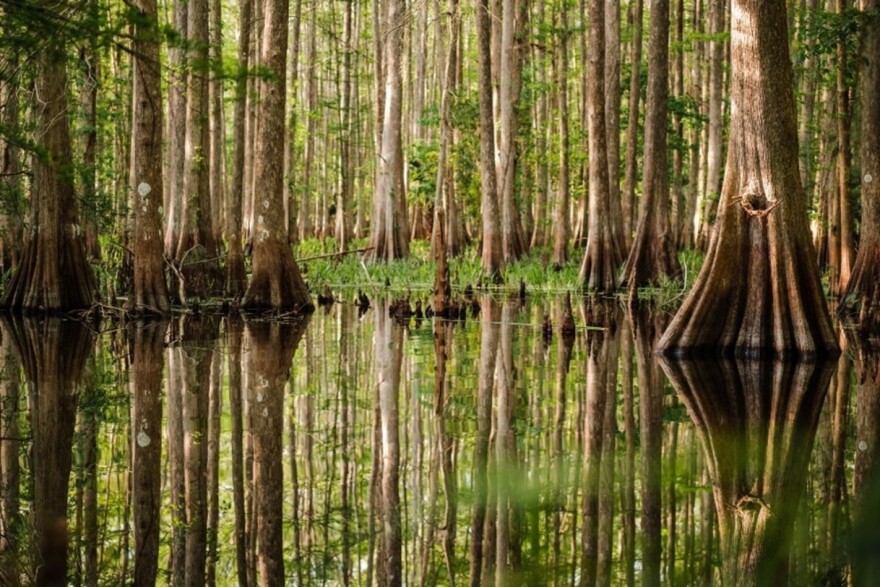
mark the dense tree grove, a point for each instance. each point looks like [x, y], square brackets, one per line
[173, 152]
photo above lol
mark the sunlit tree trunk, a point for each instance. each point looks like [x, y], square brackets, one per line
[632, 129]
[653, 251]
[561, 222]
[599, 267]
[758, 292]
[177, 109]
[389, 234]
[491, 247]
[276, 282]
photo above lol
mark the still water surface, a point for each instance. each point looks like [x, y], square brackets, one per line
[351, 449]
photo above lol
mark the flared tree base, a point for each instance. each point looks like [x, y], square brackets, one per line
[53, 276]
[863, 290]
[276, 283]
[758, 294]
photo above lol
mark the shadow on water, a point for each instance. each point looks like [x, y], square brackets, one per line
[528, 444]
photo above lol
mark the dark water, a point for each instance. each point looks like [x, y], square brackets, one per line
[350, 449]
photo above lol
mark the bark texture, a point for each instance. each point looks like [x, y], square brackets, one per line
[389, 235]
[53, 273]
[150, 293]
[599, 267]
[758, 293]
[864, 284]
[276, 281]
[653, 251]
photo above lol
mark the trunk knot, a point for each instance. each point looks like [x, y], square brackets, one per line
[756, 203]
[751, 503]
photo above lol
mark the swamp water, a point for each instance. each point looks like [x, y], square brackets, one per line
[349, 449]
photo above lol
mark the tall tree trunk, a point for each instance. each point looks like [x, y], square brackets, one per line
[599, 267]
[841, 273]
[150, 294]
[509, 76]
[865, 281]
[54, 273]
[653, 252]
[561, 224]
[389, 234]
[177, 113]
[632, 129]
[236, 278]
[712, 191]
[758, 292]
[492, 254]
[10, 171]
[276, 281]
[197, 246]
[217, 173]
[90, 64]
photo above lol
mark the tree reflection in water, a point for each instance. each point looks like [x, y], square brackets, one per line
[528, 445]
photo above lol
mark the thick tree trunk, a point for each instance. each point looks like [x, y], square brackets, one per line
[864, 285]
[146, 340]
[276, 282]
[53, 274]
[236, 278]
[492, 253]
[217, 175]
[270, 351]
[756, 421]
[149, 294]
[758, 292]
[389, 234]
[653, 251]
[599, 267]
